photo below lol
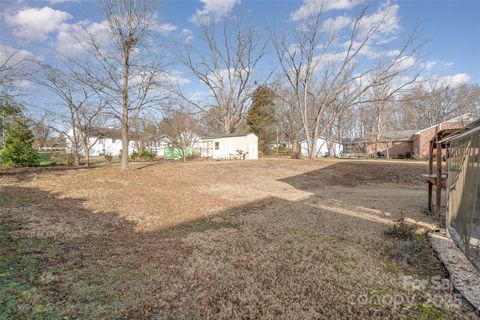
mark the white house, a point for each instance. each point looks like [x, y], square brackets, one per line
[322, 147]
[234, 146]
[231, 146]
[102, 141]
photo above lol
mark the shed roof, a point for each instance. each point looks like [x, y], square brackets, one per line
[220, 136]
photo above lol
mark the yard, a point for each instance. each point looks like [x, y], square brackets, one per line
[273, 238]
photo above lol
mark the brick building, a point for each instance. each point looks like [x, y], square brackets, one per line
[403, 143]
[421, 138]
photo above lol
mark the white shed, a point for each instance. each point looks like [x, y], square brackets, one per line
[322, 147]
[232, 146]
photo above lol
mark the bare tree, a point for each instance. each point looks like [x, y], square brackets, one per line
[181, 129]
[14, 67]
[85, 110]
[41, 131]
[71, 96]
[90, 116]
[127, 72]
[326, 83]
[288, 119]
[225, 61]
[435, 101]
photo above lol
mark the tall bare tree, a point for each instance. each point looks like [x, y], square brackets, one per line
[288, 119]
[225, 60]
[84, 108]
[126, 72]
[70, 95]
[325, 82]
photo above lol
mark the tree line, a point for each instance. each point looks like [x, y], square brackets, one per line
[318, 85]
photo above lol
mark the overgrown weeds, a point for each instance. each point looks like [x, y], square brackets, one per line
[410, 249]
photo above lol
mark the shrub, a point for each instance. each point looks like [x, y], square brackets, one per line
[134, 155]
[108, 157]
[148, 155]
[401, 230]
[411, 249]
[18, 149]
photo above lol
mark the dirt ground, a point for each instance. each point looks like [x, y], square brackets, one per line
[273, 238]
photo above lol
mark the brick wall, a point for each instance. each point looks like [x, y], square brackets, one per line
[396, 149]
[421, 142]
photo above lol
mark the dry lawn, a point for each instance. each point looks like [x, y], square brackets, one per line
[273, 238]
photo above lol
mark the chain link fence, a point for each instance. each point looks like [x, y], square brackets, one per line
[463, 214]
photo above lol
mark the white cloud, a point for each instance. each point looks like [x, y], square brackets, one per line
[173, 78]
[431, 64]
[72, 39]
[454, 80]
[60, 1]
[14, 56]
[34, 24]
[405, 62]
[385, 20]
[311, 7]
[164, 28]
[336, 24]
[187, 35]
[214, 8]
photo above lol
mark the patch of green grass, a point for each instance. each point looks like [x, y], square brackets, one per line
[411, 251]
[47, 158]
[20, 295]
[430, 312]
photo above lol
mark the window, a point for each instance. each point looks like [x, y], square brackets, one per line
[217, 145]
[114, 140]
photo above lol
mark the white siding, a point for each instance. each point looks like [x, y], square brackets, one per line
[108, 145]
[322, 148]
[101, 146]
[229, 147]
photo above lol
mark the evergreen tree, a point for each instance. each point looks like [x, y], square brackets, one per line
[10, 113]
[18, 149]
[260, 116]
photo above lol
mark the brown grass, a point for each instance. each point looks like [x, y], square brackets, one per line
[247, 239]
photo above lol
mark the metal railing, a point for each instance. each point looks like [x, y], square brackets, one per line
[463, 212]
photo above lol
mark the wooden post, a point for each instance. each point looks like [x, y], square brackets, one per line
[438, 199]
[430, 171]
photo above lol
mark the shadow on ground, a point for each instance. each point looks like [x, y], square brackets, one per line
[272, 258]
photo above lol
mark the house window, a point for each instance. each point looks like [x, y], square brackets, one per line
[114, 140]
[217, 145]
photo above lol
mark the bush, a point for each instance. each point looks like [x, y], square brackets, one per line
[18, 149]
[401, 230]
[148, 155]
[108, 157]
[411, 249]
[134, 155]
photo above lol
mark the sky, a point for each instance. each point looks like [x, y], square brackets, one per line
[451, 28]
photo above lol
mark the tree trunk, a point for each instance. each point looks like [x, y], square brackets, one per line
[76, 155]
[312, 152]
[87, 157]
[125, 143]
[276, 149]
[125, 111]
[294, 149]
